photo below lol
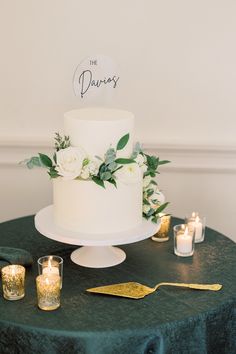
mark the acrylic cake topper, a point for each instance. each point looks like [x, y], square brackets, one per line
[96, 77]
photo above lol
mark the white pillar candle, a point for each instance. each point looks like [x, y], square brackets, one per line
[184, 243]
[198, 229]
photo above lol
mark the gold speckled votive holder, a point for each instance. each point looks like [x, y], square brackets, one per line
[163, 234]
[13, 282]
[48, 291]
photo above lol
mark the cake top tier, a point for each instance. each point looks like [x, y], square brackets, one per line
[96, 129]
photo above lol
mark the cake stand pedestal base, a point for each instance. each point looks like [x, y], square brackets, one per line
[98, 257]
[98, 250]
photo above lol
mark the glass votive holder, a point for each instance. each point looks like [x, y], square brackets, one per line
[51, 265]
[13, 282]
[183, 241]
[48, 291]
[196, 225]
[163, 234]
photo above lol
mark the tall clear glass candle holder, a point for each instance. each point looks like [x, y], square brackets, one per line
[196, 224]
[51, 265]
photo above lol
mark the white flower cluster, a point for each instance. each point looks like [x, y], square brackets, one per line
[141, 161]
[73, 162]
[151, 194]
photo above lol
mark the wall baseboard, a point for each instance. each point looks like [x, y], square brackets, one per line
[184, 158]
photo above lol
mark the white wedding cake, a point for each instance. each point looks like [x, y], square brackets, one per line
[84, 206]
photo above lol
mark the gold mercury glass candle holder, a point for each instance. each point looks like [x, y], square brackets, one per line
[13, 282]
[48, 291]
[163, 234]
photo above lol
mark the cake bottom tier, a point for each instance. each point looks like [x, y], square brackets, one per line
[83, 206]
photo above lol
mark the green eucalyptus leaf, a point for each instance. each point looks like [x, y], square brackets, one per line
[45, 160]
[150, 192]
[163, 162]
[55, 157]
[53, 173]
[105, 175]
[102, 168]
[151, 212]
[124, 161]
[145, 216]
[122, 142]
[161, 208]
[98, 181]
[154, 219]
[112, 181]
[33, 162]
[112, 166]
[146, 202]
[118, 168]
[110, 156]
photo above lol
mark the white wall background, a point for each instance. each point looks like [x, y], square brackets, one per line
[178, 75]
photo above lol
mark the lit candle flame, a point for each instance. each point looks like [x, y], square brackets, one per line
[186, 231]
[49, 263]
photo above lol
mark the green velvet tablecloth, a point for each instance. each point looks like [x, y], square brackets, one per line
[171, 320]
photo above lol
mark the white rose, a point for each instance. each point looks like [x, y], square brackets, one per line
[90, 169]
[70, 162]
[93, 167]
[146, 208]
[146, 181]
[85, 173]
[140, 159]
[130, 173]
[143, 168]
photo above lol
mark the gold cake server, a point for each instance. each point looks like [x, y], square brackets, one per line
[135, 290]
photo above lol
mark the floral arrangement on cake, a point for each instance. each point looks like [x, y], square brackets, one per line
[70, 162]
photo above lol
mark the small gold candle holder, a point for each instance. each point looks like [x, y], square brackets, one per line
[13, 282]
[48, 291]
[163, 234]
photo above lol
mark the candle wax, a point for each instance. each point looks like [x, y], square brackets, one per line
[51, 270]
[184, 243]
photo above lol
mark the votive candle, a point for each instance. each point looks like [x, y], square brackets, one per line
[13, 282]
[48, 291]
[163, 233]
[183, 241]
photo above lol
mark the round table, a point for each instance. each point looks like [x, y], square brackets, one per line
[171, 320]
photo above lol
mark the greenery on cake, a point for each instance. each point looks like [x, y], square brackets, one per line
[71, 162]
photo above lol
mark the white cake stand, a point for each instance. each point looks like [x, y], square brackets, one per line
[98, 250]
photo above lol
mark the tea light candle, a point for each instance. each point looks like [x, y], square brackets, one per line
[184, 242]
[51, 268]
[48, 291]
[13, 282]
